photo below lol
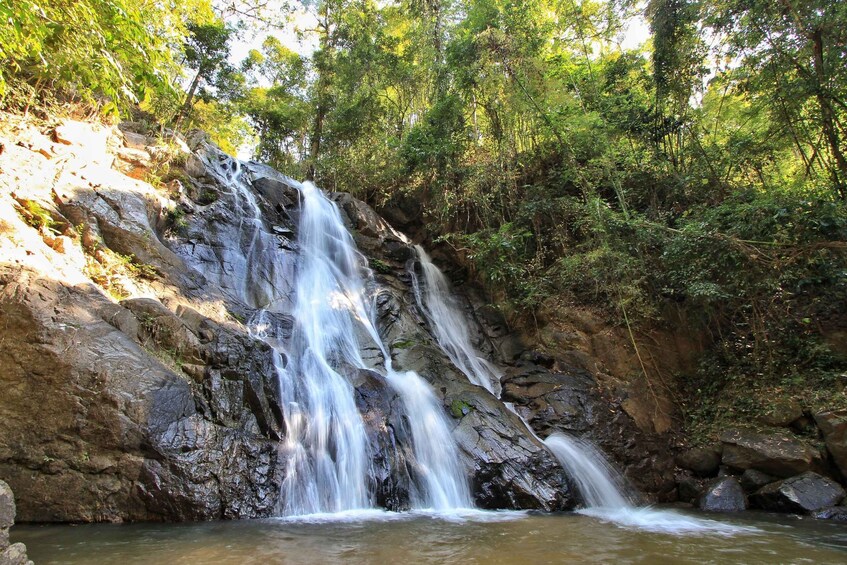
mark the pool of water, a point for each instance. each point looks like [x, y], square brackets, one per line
[639, 536]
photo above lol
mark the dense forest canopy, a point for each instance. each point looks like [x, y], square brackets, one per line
[703, 172]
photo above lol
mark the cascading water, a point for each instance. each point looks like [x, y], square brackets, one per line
[449, 325]
[312, 329]
[325, 445]
[598, 482]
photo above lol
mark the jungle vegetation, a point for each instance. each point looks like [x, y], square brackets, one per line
[702, 171]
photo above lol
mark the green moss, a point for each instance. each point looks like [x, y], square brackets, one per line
[460, 408]
[381, 267]
[403, 344]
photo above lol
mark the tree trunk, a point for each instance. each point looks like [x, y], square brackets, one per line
[189, 98]
[315, 141]
[839, 173]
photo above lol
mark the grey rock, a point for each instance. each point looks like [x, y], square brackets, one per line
[15, 554]
[776, 454]
[723, 495]
[834, 513]
[389, 438]
[704, 461]
[752, 480]
[7, 506]
[804, 493]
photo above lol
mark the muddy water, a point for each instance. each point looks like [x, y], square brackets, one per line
[443, 539]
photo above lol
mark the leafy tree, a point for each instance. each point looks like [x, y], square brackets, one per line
[206, 53]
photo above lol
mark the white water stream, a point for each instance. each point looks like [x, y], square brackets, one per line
[450, 326]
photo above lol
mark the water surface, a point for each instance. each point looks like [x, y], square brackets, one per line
[461, 538]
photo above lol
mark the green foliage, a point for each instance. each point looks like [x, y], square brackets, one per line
[108, 52]
[37, 216]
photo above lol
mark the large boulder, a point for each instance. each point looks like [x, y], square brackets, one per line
[704, 461]
[723, 495]
[776, 454]
[833, 424]
[10, 554]
[782, 412]
[804, 493]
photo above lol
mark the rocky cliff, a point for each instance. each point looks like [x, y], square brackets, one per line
[132, 388]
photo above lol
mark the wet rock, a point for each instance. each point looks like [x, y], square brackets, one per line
[14, 554]
[571, 401]
[389, 439]
[508, 468]
[776, 454]
[689, 487]
[804, 493]
[704, 461]
[752, 480]
[833, 425]
[723, 495]
[834, 513]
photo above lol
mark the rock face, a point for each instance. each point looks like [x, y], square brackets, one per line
[834, 427]
[804, 493]
[723, 495]
[776, 454]
[10, 554]
[133, 389]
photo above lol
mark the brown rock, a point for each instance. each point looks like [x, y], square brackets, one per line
[782, 412]
[834, 427]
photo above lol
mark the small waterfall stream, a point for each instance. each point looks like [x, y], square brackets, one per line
[438, 303]
[313, 327]
[599, 483]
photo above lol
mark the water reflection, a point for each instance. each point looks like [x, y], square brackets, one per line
[463, 538]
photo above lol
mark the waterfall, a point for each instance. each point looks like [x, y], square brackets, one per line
[598, 482]
[450, 327]
[326, 455]
[311, 312]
